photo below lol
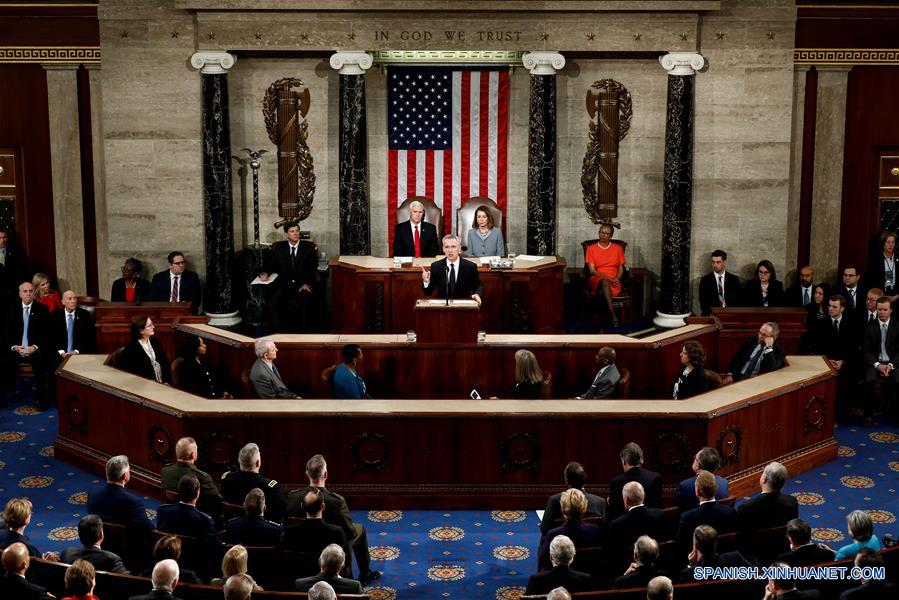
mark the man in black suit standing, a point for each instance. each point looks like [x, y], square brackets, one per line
[27, 341]
[183, 518]
[760, 354]
[770, 508]
[880, 356]
[561, 554]
[721, 517]
[852, 291]
[632, 465]
[90, 533]
[718, 288]
[802, 294]
[331, 564]
[415, 237]
[837, 339]
[13, 584]
[72, 328]
[575, 476]
[454, 276]
[176, 284]
[13, 269]
[803, 552]
[295, 263]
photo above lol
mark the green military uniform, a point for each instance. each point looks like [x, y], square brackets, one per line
[210, 500]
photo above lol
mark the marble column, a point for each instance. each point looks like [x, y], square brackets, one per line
[541, 223]
[355, 227]
[674, 296]
[217, 203]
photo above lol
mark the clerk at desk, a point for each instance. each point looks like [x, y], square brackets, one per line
[452, 277]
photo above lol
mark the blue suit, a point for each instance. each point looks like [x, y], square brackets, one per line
[720, 517]
[348, 384]
[185, 519]
[188, 288]
[114, 503]
[685, 497]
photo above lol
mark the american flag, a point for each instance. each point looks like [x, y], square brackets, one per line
[447, 134]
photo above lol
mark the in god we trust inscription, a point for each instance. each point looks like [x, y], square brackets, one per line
[449, 35]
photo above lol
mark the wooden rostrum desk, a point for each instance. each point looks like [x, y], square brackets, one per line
[424, 452]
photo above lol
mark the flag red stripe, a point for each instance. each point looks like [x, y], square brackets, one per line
[466, 134]
[484, 126]
[502, 138]
[429, 174]
[410, 174]
[447, 191]
[392, 202]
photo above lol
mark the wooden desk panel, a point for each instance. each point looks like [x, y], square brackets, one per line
[113, 322]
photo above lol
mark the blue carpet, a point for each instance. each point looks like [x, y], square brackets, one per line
[435, 554]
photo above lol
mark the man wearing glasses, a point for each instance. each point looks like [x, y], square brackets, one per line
[176, 284]
[761, 354]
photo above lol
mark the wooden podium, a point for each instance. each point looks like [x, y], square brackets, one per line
[447, 321]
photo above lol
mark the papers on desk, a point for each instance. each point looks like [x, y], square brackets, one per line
[271, 278]
[485, 260]
[442, 302]
[528, 258]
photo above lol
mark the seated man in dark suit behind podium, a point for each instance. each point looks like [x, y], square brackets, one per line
[718, 288]
[176, 284]
[760, 354]
[452, 277]
[415, 237]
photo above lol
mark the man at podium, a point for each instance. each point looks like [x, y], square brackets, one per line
[452, 277]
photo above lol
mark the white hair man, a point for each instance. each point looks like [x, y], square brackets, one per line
[165, 579]
[331, 564]
[322, 591]
[415, 237]
[237, 484]
[186, 454]
[113, 503]
[770, 508]
[238, 587]
[660, 588]
[264, 374]
[638, 519]
[561, 553]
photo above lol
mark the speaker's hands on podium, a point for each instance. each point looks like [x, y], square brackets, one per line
[476, 298]
[263, 277]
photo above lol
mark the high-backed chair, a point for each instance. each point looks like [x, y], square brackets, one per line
[623, 303]
[433, 213]
[327, 377]
[176, 372]
[623, 387]
[465, 216]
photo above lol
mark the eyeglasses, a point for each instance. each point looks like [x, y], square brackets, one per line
[763, 272]
[180, 262]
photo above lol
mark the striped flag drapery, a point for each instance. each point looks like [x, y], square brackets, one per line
[447, 132]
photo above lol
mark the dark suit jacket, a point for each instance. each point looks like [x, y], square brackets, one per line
[467, 280]
[404, 245]
[188, 288]
[871, 345]
[752, 293]
[184, 519]
[595, 506]
[766, 510]
[336, 511]
[155, 595]
[210, 499]
[708, 292]
[38, 328]
[638, 579]
[562, 575]
[313, 535]
[860, 293]
[875, 274]
[12, 273]
[304, 265]
[341, 585]
[134, 360]
[694, 383]
[114, 503]
[9, 537]
[198, 378]
[873, 590]
[685, 496]
[771, 361]
[721, 517]
[804, 556]
[236, 485]
[102, 560]
[13, 586]
[652, 487]
[141, 291]
[582, 535]
[625, 530]
[794, 296]
[844, 345]
[728, 559]
[84, 334]
[252, 531]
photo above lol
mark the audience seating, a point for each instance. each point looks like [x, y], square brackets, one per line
[327, 377]
[588, 560]
[232, 511]
[623, 387]
[176, 372]
[546, 390]
[246, 384]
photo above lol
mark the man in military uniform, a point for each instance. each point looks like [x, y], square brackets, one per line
[183, 518]
[252, 529]
[337, 513]
[186, 454]
[313, 534]
[237, 484]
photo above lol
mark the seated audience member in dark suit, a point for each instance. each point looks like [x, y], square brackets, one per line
[770, 508]
[183, 518]
[405, 234]
[90, 533]
[561, 553]
[575, 476]
[194, 374]
[453, 276]
[264, 374]
[660, 588]
[651, 482]
[176, 284]
[815, 313]
[870, 312]
[144, 354]
[705, 554]
[13, 584]
[253, 529]
[348, 384]
[16, 517]
[870, 589]
[27, 341]
[880, 270]
[313, 534]
[706, 459]
[803, 552]
[837, 339]
[164, 579]
[880, 357]
[169, 547]
[636, 521]
[764, 289]
[582, 535]
[336, 513]
[237, 484]
[296, 264]
[642, 570]
[691, 380]
[131, 287]
[14, 269]
[852, 290]
[801, 293]
[331, 564]
[759, 354]
[529, 377]
[721, 517]
[72, 328]
[112, 503]
[785, 589]
[718, 288]
[185, 464]
[606, 378]
[239, 586]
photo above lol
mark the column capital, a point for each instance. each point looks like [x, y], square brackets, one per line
[212, 63]
[682, 63]
[351, 63]
[543, 63]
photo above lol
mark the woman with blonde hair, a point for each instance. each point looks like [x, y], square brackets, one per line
[583, 535]
[17, 516]
[80, 579]
[43, 293]
[529, 377]
[234, 563]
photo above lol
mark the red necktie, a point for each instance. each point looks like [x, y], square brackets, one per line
[175, 289]
[417, 243]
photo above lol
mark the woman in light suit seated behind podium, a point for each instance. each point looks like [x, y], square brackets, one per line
[484, 238]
